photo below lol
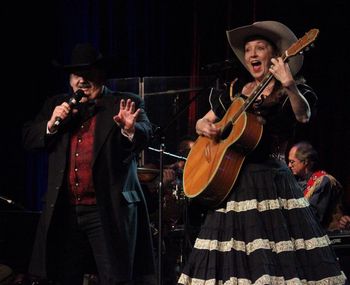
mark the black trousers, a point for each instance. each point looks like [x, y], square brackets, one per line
[83, 247]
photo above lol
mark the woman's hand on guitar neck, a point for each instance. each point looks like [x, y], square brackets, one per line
[206, 127]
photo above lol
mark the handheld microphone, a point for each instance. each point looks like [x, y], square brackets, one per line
[73, 101]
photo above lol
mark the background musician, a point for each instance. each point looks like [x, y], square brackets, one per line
[323, 191]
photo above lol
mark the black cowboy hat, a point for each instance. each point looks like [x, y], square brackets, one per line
[85, 57]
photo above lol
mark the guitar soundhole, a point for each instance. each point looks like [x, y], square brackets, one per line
[226, 132]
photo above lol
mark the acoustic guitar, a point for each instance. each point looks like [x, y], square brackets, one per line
[213, 165]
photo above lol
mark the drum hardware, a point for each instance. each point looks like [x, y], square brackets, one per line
[163, 203]
[178, 232]
[180, 219]
[159, 138]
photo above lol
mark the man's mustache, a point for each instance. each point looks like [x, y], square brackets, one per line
[84, 85]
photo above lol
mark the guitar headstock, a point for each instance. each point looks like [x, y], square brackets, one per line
[302, 43]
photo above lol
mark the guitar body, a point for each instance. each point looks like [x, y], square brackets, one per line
[212, 166]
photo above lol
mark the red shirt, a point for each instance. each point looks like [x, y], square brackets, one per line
[310, 183]
[80, 182]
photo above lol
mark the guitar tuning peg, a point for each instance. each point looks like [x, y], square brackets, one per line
[312, 45]
[301, 52]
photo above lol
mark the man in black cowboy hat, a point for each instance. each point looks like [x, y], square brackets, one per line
[94, 205]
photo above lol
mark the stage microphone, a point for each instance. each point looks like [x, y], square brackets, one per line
[73, 101]
[8, 201]
[12, 203]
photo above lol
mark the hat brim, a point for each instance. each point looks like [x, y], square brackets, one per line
[276, 32]
[104, 64]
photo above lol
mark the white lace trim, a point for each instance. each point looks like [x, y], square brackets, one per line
[248, 248]
[265, 205]
[265, 279]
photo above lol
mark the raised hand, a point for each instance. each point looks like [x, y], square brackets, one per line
[127, 116]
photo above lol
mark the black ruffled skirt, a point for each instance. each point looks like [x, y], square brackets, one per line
[265, 233]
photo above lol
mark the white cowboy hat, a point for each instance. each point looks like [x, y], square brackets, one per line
[275, 32]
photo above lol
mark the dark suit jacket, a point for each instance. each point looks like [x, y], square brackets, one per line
[119, 196]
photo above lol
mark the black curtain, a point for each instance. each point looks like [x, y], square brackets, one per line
[157, 38]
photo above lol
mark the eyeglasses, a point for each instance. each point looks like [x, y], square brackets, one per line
[292, 162]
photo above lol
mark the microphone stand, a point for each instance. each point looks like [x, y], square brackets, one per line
[160, 133]
[169, 154]
[160, 206]
[11, 202]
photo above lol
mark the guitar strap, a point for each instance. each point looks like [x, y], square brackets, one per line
[231, 89]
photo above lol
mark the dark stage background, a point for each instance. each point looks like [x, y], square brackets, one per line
[158, 38]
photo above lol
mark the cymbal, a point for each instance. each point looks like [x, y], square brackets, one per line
[175, 91]
[146, 175]
[145, 170]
